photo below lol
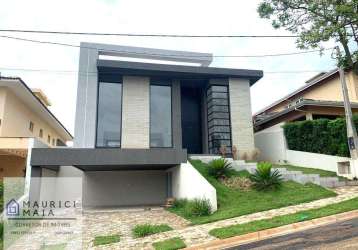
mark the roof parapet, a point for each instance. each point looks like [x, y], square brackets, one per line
[203, 59]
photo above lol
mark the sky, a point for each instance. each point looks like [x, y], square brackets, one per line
[53, 68]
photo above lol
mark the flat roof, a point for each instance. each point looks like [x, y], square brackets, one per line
[180, 71]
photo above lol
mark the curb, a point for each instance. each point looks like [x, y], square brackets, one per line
[274, 232]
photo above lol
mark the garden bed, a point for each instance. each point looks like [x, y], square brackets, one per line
[233, 203]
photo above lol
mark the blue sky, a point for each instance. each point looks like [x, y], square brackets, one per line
[157, 16]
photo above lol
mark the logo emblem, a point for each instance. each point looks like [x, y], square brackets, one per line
[12, 208]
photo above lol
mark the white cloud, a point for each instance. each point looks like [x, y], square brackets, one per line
[133, 16]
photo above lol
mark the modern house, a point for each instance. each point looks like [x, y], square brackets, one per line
[320, 97]
[137, 122]
[24, 119]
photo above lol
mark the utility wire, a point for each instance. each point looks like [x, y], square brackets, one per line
[153, 54]
[75, 72]
[144, 35]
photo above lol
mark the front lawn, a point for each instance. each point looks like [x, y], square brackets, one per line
[143, 230]
[282, 220]
[170, 244]
[104, 240]
[233, 203]
[304, 170]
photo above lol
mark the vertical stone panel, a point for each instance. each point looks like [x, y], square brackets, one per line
[241, 116]
[135, 112]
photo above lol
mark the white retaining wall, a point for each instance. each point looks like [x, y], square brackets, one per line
[188, 183]
[313, 160]
[271, 143]
[273, 148]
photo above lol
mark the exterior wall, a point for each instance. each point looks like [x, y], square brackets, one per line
[135, 112]
[329, 90]
[124, 188]
[241, 116]
[17, 117]
[86, 107]
[271, 143]
[188, 183]
[2, 106]
[12, 166]
[313, 160]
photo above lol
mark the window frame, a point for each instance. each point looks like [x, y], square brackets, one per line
[97, 104]
[167, 83]
[209, 139]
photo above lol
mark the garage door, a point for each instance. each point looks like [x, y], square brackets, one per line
[124, 188]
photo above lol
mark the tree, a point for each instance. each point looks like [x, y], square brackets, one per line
[317, 21]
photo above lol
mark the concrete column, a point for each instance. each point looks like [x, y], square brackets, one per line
[176, 109]
[86, 107]
[135, 112]
[309, 116]
[241, 116]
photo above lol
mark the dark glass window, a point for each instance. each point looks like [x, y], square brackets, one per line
[109, 115]
[160, 116]
[218, 119]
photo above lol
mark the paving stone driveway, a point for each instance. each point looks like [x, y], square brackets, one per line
[122, 222]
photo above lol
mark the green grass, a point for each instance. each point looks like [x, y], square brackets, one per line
[53, 247]
[278, 221]
[170, 244]
[233, 203]
[304, 170]
[143, 230]
[103, 240]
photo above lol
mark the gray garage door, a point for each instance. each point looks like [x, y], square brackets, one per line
[124, 188]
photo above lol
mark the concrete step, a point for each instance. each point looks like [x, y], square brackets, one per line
[330, 182]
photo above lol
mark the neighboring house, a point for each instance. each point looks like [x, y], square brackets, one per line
[25, 117]
[136, 123]
[320, 97]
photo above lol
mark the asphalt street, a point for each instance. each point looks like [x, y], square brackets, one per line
[342, 235]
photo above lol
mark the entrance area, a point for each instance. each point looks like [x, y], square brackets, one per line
[191, 119]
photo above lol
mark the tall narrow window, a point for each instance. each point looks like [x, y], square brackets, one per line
[218, 119]
[109, 115]
[31, 126]
[160, 116]
[41, 133]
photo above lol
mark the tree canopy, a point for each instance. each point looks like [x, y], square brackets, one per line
[317, 21]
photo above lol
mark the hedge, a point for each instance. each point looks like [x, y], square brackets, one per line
[321, 136]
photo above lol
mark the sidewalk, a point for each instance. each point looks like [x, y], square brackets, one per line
[196, 235]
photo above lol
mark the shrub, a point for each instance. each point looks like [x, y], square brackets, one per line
[179, 203]
[197, 207]
[320, 136]
[238, 182]
[219, 168]
[264, 178]
[148, 229]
